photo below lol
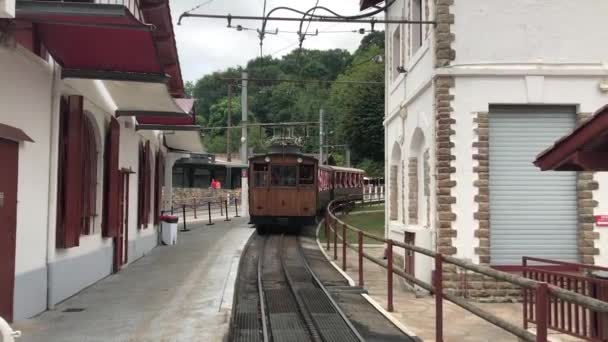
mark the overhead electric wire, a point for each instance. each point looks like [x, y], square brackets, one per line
[199, 6]
[229, 79]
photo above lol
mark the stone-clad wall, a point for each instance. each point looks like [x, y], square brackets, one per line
[445, 141]
[481, 168]
[189, 196]
[585, 184]
[413, 191]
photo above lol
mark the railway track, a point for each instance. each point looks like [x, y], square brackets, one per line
[292, 304]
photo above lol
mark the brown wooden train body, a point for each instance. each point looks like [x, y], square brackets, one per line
[291, 189]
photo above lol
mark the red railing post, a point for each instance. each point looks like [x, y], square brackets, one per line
[344, 246]
[327, 228]
[542, 307]
[524, 263]
[389, 274]
[335, 240]
[438, 297]
[360, 242]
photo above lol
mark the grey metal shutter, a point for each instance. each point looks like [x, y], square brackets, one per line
[532, 213]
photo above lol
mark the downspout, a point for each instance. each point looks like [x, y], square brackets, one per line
[53, 171]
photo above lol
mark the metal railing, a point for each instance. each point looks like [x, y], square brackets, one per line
[564, 315]
[132, 5]
[209, 209]
[541, 291]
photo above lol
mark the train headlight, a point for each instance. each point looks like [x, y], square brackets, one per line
[299, 160]
[267, 159]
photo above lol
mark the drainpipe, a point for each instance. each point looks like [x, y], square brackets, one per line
[53, 169]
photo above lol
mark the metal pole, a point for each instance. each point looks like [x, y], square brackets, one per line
[236, 207]
[226, 203]
[185, 228]
[244, 148]
[360, 233]
[335, 240]
[347, 156]
[327, 229]
[438, 298]
[389, 274]
[194, 206]
[344, 247]
[321, 113]
[229, 123]
[209, 211]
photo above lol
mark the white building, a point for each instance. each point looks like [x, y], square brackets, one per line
[470, 102]
[83, 156]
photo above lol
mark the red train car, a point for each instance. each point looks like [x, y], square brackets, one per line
[290, 189]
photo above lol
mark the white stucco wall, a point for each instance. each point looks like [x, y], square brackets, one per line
[30, 111]
[556, 31]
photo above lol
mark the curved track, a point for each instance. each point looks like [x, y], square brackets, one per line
[293, 305]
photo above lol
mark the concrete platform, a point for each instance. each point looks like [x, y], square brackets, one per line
[176, 293]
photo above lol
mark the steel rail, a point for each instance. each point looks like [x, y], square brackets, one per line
[313, 329]
[326, 292]
[261, 294]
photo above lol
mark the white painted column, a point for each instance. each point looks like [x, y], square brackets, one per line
[244, 194]
[168, 189]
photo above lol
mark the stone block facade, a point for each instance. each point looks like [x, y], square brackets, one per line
[190, 196]
[413, 191]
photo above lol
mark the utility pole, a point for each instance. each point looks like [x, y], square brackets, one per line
[244, 152]
[228, 155]
[321, 112]
[244, 119]
[347, 156]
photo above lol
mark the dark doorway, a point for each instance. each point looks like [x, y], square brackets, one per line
[410, 260]
[121, 241]
[8, 224]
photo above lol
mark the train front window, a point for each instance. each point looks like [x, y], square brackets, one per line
[283, 175]
[260, 175]
[307, 174]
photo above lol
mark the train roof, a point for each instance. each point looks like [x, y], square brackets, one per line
[343, 169]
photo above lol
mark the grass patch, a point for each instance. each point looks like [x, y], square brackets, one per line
[375, 207]
[372, 223]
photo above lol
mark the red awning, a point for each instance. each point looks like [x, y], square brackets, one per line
[13, 133]
[365, 4]
[89, 40]
[585, 149]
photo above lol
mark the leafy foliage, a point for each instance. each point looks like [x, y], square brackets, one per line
[354, 111]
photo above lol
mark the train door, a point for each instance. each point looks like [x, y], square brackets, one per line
[8, 224]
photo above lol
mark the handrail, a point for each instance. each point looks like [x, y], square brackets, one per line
[542, 288]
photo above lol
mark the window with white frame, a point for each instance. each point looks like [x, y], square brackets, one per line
[416, 29]
[396, 47]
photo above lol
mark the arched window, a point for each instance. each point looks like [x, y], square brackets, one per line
[394, 177]
[77, 173]
[89, 177]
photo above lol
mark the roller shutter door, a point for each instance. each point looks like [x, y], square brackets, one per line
[532, 213]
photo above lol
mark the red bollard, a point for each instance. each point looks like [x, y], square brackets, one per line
[360, 238]
[389, 274]
[438, 298]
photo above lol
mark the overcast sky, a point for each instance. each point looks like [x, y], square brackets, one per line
[207, 45]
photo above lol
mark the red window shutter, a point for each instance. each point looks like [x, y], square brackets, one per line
[140, 189]
[111, 198]
[147, 183]
[157, 193]
[71, 171]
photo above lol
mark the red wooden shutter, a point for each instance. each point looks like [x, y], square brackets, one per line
[111, 181]
[147, 183]
[69, 234]
[140, 189]
[157, 191]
